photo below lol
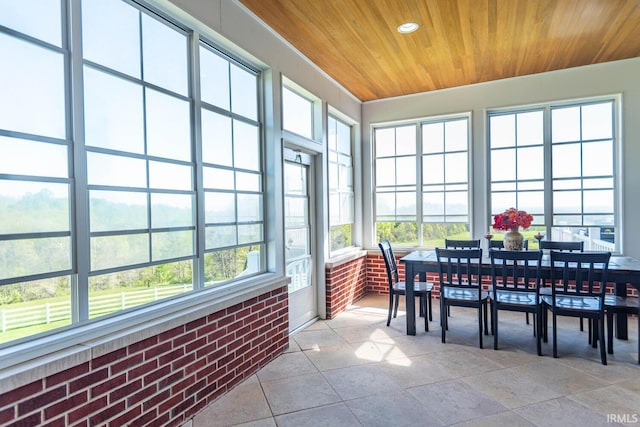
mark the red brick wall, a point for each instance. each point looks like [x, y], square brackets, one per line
[162, 380]
[377, 282]
[345, 284]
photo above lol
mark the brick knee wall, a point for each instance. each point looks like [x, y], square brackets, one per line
[345, 284]
[160, 381]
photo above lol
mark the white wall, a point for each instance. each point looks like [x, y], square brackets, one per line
[620, 77]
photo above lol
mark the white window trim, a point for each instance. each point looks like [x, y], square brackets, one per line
[618, 155]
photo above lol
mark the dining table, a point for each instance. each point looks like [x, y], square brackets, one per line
[623, 270]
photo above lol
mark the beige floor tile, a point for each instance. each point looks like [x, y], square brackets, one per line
[348, 319]
[244, 403]
[370, 301]
[632, 383]
[340, 356]
[287, 365]
[293, 346]
[399, 409]
[377, 351]
[330, 415]
[508, 357]
[360, 381]
[454, 401]
[463, 362]
[563, 412]
[415, 371]
[558, 376]
[317, 325]
[506, 419]
[297, 393]
[406, 346]
[613, 399]
[510, 389]
[267, 422]
[619, 366]
[366, 333]
[309, 340]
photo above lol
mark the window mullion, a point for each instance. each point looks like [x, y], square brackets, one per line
[196, 117]
[81, 243]
[548, 178]
[419, 186]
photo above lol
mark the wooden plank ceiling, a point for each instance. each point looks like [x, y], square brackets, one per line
[459, 42]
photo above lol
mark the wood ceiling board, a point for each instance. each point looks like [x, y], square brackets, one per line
[459, 42]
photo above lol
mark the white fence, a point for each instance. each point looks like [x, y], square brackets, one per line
[591, 242]
[14, 318]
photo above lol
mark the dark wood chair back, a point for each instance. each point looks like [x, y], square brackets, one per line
[461, 244]
[459, 268]
[515, 270]
[580, 273]
[556, 245]
[389, 262]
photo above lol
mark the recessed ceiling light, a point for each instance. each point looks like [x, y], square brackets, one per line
[407, 27]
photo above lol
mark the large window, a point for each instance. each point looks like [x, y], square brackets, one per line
[341, 196]
[422, 182]
[564, 176]
[517, 163]
[297, 113]
[98, 193]
[232, 169]
[137, 134]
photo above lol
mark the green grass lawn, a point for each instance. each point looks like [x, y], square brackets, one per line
[16, 333]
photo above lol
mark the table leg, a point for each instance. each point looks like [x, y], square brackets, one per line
[422, 277]
[410, 300]
[621, 318]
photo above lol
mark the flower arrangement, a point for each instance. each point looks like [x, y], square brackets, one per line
[512, 218]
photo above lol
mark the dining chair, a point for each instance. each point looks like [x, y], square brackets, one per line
[579, 281]
[561, 245]
[398, 288]
[614, 305]
[461, 244]
[461, 285]
[499, 244]
[515, 285]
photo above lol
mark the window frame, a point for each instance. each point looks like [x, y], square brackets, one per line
[316, 114]
[547, 227]
[340, 190]
[419, 186]
[81, 327]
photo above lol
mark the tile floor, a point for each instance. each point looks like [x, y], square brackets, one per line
[355, 371]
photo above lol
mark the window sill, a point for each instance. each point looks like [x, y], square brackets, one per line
[26, 362]
[344, 258]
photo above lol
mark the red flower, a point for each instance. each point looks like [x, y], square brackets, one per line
[512, 218]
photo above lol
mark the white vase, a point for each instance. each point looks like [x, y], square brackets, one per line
[513, 240]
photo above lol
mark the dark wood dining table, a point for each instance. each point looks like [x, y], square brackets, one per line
[622, 271]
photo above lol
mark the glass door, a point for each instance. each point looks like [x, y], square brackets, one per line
[298, 221]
